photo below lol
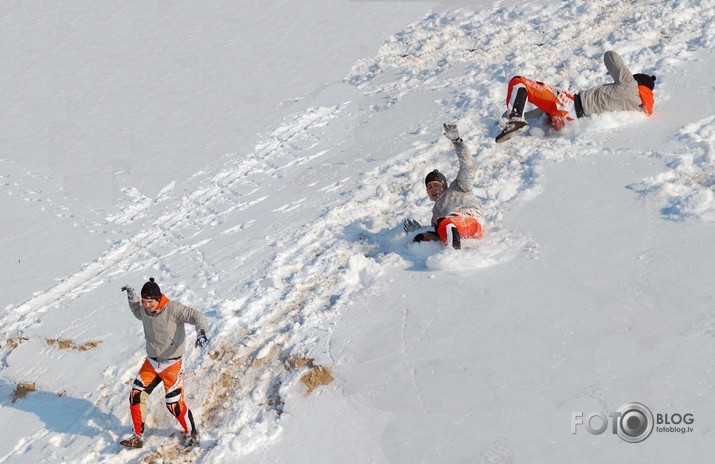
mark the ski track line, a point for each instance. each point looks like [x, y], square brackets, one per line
[442, 40]
[297, 301]
[200, 199]
[299, 291]
[446, 50]
[612, 15]
[301, 287]
[26, 443]
[289, 298]
[111, 262]
[298, 294]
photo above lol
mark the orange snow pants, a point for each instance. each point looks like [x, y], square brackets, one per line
[151, 374]
[557, 103]
[465, 220]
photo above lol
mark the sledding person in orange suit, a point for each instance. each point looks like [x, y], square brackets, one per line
[163, 322]
[628, 92]
[454, 214]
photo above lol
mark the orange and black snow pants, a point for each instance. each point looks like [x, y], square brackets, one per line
[465, 220]
[557, 103]
[151, 374]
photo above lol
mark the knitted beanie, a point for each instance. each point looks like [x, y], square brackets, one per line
[436, 175]
[646, 80]
[151, 290]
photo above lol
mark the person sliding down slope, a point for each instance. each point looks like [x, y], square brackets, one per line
[628, 92]
[454, 214]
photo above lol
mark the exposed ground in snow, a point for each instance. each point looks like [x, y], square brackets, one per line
[281, 222]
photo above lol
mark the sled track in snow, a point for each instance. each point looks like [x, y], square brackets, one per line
[311, 276]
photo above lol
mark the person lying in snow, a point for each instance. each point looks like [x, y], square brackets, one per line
[628, 92]
[454, 214]
[163, 322]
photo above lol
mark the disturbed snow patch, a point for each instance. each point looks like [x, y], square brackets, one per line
[686, 189]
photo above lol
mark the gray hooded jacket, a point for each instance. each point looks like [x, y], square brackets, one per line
[621, 95]
[459, 193]
[164, 332]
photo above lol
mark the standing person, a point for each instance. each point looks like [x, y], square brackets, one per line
[454, 214]
[628, 92]
[163, 322]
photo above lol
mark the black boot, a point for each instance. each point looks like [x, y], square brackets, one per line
[135, 441]
[516, 122]
[456, 239]
[512, 128]
[192, 439]
[517, 110]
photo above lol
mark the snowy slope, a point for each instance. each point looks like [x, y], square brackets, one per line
[590, 290]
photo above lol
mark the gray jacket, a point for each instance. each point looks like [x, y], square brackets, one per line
[622, 95]
[164, 332]
[459, 193]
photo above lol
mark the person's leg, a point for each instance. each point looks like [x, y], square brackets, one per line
[516, 98]
[555, 102]
[147, 379]
[470, 227]
[173, 378]
[465, 223]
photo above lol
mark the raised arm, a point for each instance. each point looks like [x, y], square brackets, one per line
[467, 167]
[134, 305]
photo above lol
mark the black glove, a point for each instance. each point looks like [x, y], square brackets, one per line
[202, 340]
[410, 225]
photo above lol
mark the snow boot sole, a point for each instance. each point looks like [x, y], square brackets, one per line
[511, 130]
[134, 442]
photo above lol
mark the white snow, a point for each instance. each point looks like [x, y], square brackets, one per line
[258, 161]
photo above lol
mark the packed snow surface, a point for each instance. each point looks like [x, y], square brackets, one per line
[258, 162]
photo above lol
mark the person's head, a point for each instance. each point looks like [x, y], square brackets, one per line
[645, 80]
[436, 184]
[151, 295]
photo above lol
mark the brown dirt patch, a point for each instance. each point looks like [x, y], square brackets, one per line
[165, 456]
[22, 390]
[172, 454]
[15, 341]
[62, 344]
[292, 363]
[317, 376]
[89, 345]
[226, 385]
[70, 345]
